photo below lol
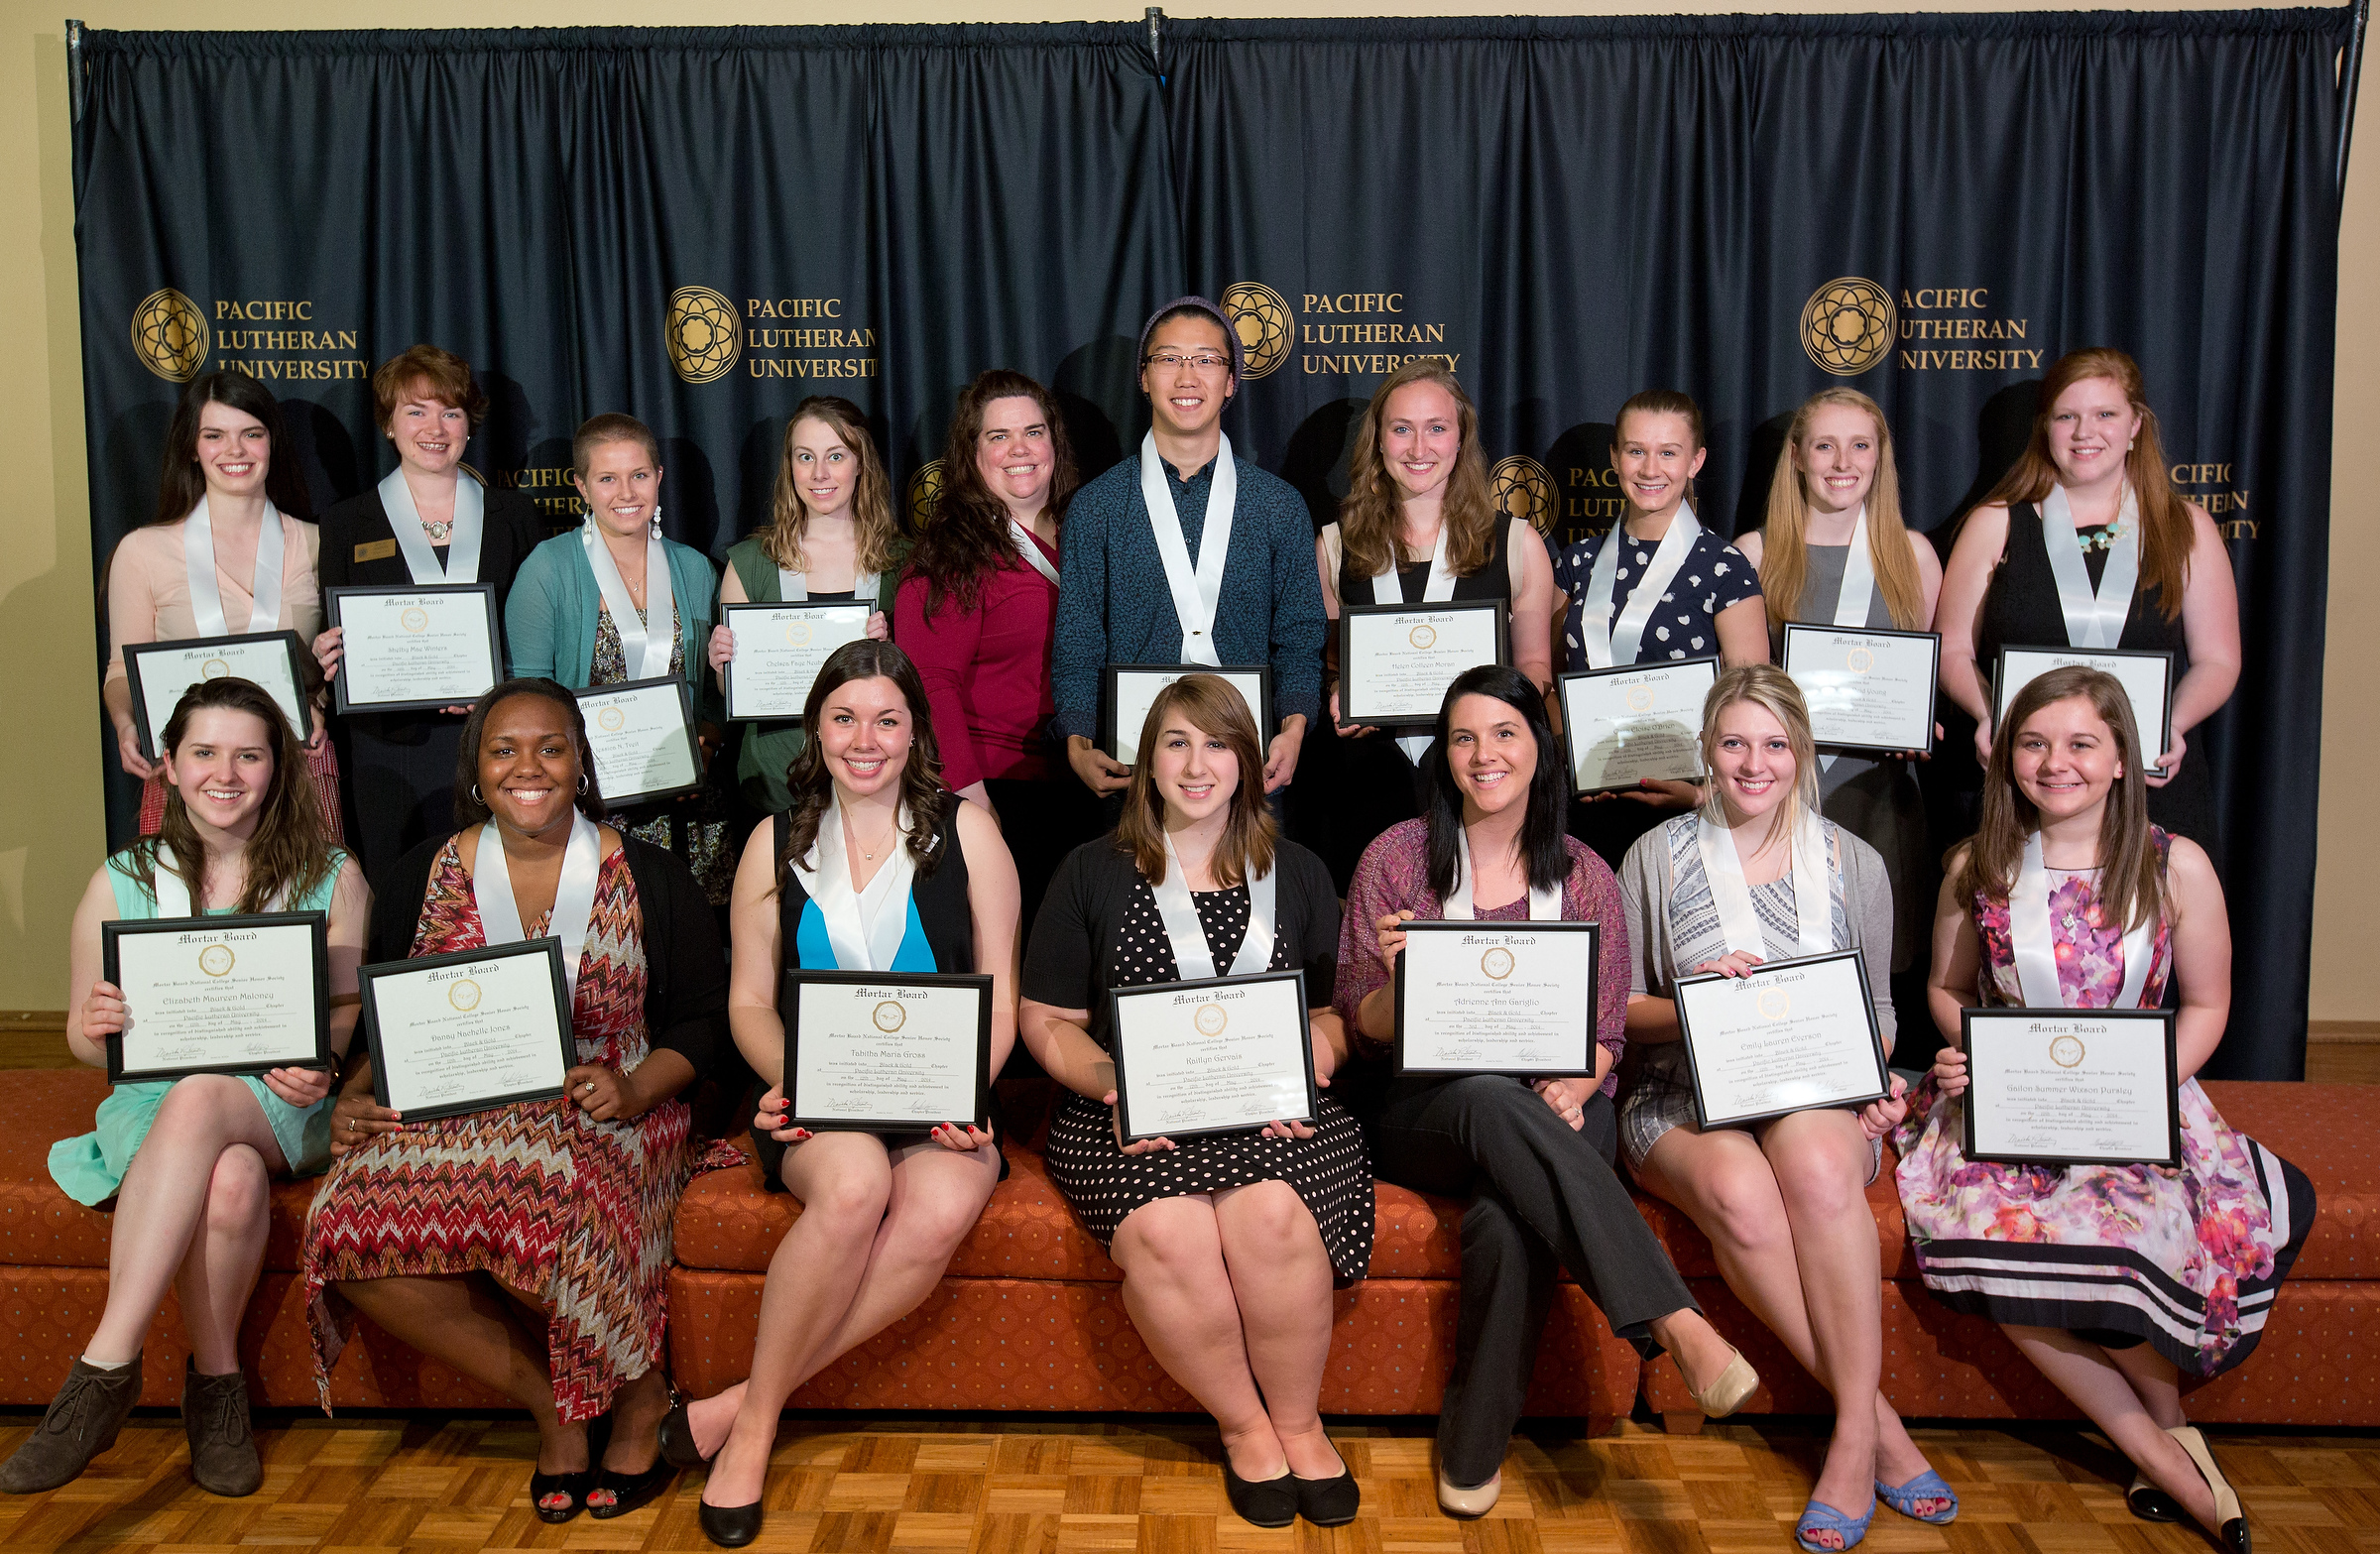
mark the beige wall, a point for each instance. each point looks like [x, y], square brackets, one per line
[50, 833]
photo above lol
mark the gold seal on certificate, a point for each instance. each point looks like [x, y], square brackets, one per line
[897, 1052]
[232, 994]
[160, 672]
[1395, 660]
[468, 1032]
[1868, 690]
[779, 648]
[1623, 725]
[1219, 1055]
[1128, 689]
[415, 648]
[1498, 997]
[1786, 1037]
[2147, 676]
[642, 736]
[2072, 1087]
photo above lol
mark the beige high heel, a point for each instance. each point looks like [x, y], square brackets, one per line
[1728, 1389]
[2231, 1520]
[1469, 1503]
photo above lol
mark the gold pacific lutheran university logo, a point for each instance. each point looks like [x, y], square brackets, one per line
[215, 960]
[1640, 698]
[890, 1016]
[1423, 637]
[1847, 325]
[1498, 963]
[1261, 317]
[705, 337]
[612, 720]
[1520, 488]
[414, 618]
[1775, 1003]
[1210, 1019]
[925, 491]
[1859, 660]
[213, 670]
[2065, 1051]
[168, 334]
[464, 995]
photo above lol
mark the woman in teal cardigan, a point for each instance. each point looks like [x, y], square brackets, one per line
[579, 612]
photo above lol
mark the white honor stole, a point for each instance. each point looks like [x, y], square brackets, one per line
[1193, 960]
[574, 895]
[644, 640]
[2093, 619]
[865, 927]
[1859, 583]
[1030, 548]
[172, 894]
[794, 588]
[1611, 642]
[1389, 588]
[1545, 905]
[1814, 869]
[462, 542]
[206, 595]
[2035, 951]
[1195, 594]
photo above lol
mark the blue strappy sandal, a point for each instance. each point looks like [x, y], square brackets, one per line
[1819, 1516]
[1926, 1486]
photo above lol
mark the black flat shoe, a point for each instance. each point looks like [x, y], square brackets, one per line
[1329, 1502]
[571, 1487]
[731, 1527]
[678, 1435]
[2150, 1504]
[1262, 1503]
[629, 1490]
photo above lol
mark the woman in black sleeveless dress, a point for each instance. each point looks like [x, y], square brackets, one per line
[2096, 469]
[877, 867]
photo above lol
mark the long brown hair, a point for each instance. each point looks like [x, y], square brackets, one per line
[1211, 705]
[1660, 401]
[929, 797]
[2129, 888]
[1784, 545]
[470, 809]
[181, 482]
[1773, 691]
[2165, 532]
[871, 498]
[290, 854]
[1368, 517]
[968, 540]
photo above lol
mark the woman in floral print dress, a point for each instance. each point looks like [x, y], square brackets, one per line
[2112, 1279]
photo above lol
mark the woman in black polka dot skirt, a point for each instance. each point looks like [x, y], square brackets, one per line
[1230, 1243]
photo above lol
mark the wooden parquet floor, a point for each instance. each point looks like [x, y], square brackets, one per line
[1041, 1486]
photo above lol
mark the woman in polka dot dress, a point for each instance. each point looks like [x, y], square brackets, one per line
[1230, 1243]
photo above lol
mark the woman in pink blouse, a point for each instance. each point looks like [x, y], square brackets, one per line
[974, 611]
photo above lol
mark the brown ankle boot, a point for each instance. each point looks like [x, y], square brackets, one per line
[82, 1422]
[214, 1415]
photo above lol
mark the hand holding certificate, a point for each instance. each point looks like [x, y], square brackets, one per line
[468, 1032]
[643, 736]
[1785, 1036]
[779, 648]
[1218, 1055]
[232, 995]
[161, 671]
[1645, 721]
[2072, 1087]
[1395, 660]
[1494, 998]
[415, 648]
[870, 1050]
[1869, 690]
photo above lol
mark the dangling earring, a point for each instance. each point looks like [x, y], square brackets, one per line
[583, 784]
[657, 521]
[475, 798]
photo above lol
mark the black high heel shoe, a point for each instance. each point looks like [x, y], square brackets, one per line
[678, 1435]
[573, 1487]
[730, 1526]
[2231, 1521]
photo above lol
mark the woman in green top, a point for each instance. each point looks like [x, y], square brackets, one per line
[190, 1160]
[830, 537]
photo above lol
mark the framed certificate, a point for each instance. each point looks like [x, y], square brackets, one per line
[218, 995]
[1395, 660]
[1498, 997]
[415, 648]
[468, 1032]
[1624, 725]
[1787, 1036]
[779, 648]
[2072, 1087]
[1868, 689]
[871, 1049]
[1128, 689]
[642, 736]
[2147, 676]
[1220, 1055]
[160, 672]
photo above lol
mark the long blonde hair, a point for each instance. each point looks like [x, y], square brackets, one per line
[1784, 545]
[1773, 689]
[871, 498]
[1370, 518]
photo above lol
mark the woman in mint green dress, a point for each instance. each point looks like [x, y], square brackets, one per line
[190, 1161]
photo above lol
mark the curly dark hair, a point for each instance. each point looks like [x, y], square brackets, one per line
[968, 538]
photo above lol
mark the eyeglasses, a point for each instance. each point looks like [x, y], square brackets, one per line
[1204, 361]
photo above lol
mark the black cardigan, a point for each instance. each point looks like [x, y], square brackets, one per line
[685, 971]
[512, 527]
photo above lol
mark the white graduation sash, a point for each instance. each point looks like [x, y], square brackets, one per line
[2035, 951]
[206, 595]
[794, 588]
[1030, 548]
[1545, 905]
[1389, 588]
[1195, 594]
[574, 893]
[644, 640]
[1858, 582]
[172, 894]
[1192, 959]
[462, 542]
[1611, 642]
[865, 927]
[1813, 893]
[2092, 620]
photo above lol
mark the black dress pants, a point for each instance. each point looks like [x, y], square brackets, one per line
[1542, 1198]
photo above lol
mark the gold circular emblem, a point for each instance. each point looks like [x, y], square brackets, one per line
[1640, 698]
[464, 995]
[1498, 963]
[925, 491]
[1422, 637]
[1520, 488]
[1775, 1003]
[213, 670]
[1847, 325]
[2065, 1051]
[890, 1016]
[1261, 317]
[414, 618]
[798, 633]
[612, 720]
[1859, 660]
[216, 960]
[168, 334]
[704, 336]
[1210, 1019]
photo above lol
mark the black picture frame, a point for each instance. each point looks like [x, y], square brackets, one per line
[116, 931]
[2173, 1083]
[143, 703]
[1806, 628]
[1349, 614]
[790, 1008]
[334, 605]
[1111, 675]
[1570, 750]
[1867, 1007]
[686, 719]
[1119, 997]
[727, 617]
[2163, 738]
[369, 979]
[1592, 933]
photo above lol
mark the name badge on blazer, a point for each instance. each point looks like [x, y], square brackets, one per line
[376, 549]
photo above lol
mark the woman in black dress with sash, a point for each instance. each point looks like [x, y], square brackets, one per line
[2093, 479]
[455, 529]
